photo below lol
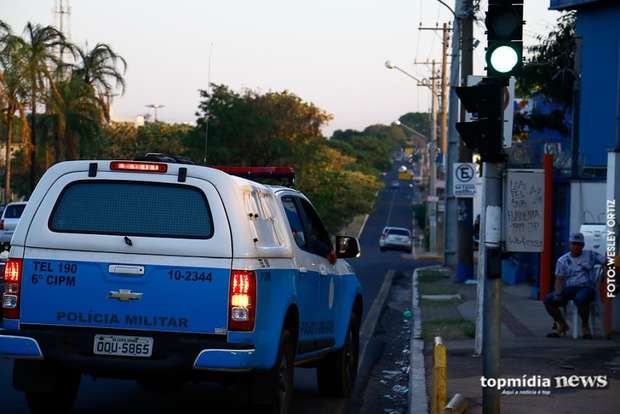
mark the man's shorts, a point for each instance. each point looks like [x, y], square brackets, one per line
[581, 295]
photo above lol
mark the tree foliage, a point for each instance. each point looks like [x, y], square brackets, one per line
[549, 74]
[550, 69]
[279, 128]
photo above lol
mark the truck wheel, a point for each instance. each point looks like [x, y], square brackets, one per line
[336, 374]
[59, 400]
[274, 391]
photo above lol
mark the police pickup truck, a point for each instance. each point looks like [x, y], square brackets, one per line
[163, 271]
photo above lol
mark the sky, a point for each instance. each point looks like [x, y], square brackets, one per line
[328, 52]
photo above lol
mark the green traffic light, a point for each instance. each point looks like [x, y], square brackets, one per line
[504, 59]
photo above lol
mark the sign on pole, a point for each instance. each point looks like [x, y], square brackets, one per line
[523, 212]
[464, 181]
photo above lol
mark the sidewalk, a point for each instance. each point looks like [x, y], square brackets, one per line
[527, 351]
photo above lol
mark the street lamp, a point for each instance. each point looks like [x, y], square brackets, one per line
[155, 107]
[411, 129]
[390, 65]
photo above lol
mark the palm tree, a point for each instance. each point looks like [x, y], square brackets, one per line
[82, 103]
[99, 68]
[39, 46]
[12, 89]
[75, 116]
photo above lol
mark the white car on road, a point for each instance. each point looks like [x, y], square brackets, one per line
[395, 238]
[9, 220]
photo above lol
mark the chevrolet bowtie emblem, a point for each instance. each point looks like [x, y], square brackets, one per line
[124, 295]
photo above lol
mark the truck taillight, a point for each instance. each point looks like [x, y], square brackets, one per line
[242, 300]
[12, 285]
[1, 224]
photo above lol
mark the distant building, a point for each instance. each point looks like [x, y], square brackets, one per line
[139, 121]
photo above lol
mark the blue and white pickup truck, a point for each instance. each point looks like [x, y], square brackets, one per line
[168, 272]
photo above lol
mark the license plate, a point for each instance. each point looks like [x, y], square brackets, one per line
[133, 346]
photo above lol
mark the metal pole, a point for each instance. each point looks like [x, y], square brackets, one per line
[451, 154]
[204, 160]
[465, 230]
[444, 95]
[576, 110]
[433, 190]
[492, 290]
[546, 255]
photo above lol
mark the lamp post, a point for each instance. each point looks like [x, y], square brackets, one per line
[155, 107]
[432, 202]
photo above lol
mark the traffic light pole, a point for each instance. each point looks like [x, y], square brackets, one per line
[491, 338]
[465, 251]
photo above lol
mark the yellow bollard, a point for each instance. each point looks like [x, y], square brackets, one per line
[439, 396]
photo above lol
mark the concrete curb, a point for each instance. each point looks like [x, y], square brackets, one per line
[418, 399]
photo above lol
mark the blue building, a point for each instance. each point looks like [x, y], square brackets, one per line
[598, 27]
[598, 30]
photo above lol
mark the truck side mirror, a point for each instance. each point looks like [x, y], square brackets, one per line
[347, 247]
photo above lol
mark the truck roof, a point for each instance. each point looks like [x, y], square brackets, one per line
[248, 240]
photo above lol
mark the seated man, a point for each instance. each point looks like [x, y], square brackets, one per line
[574, 280]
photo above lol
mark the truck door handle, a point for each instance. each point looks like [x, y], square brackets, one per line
[303, 269]
[126, 270]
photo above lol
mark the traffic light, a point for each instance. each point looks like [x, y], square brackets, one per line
[484, 135]
[504, 23]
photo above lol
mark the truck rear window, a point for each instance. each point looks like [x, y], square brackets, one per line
[132, 209]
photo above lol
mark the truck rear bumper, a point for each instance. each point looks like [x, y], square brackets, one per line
[180, 354]
[225, 359]
[19, 347]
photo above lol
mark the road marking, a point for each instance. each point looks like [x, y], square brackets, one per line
[370, 323]
[389, 216]
[359, 234]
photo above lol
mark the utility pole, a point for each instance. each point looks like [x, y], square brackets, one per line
[465, 252]
[444, 96]
[207, 114]
[432, 216]
[451, 213]
[432, 200]
[444, 87]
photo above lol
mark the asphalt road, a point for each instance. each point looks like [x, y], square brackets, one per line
[103, 396]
